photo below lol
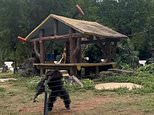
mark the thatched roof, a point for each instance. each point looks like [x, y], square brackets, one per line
[84, 27]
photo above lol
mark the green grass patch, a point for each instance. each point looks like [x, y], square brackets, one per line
[7, 75]
[87, 85]
[2, 92]
[144, 76]
[30, 83]
[146, 82]
[2, 89]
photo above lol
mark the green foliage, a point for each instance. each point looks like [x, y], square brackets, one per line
[31, 85]
[142, 78]
[7, 75]
[74, 88]
[126, 58]
[88, 84]
[94, 53]
[147, 68]
[121, 91]
[2, 89]
[131, 17]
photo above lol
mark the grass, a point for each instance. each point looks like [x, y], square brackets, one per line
[19, 94]
[142, 78]
[2, 89]
[7, 75]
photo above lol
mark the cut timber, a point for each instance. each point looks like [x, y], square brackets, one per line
[77, 80]
[74, 78]
[59, 37]
[121, 71]
[51, 65]
[7, 79]
[112, 86]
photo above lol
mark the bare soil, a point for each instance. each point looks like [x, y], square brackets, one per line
[77, 106]
[17, 100]
[59, 109]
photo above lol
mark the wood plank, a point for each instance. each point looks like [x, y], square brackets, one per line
[122, 71]
[72, 64]
[59, 37]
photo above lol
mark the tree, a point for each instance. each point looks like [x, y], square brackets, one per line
[129, 17]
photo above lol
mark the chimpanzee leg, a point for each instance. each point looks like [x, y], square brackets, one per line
[51, 100]
[65, 96]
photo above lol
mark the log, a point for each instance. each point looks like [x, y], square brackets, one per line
[76, 80]
[121, 71]
[59, 37]
[67, 46]
[41, 46]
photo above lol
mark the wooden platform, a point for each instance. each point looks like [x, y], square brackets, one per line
[76, 67]
[68, 65]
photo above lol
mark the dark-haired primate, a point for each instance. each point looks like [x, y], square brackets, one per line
[55, 83]
[40, 88]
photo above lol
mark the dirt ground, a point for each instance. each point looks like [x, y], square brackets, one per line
[18, 101]
[59, 109]
[86, 106]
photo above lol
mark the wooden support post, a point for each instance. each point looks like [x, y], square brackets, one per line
[108, 51]
[42, 54]
[72, 43]
[41, 34]
[108, 48]
[113, 46]
[79, 58]
[72, 48]
[67, 45]
[77, 51]
[97, 70]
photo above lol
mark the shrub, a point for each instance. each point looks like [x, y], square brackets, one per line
[88, 84]
[146, 69]
[2, 89]
[32, 84]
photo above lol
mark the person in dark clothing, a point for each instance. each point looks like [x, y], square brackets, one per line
[55, 84]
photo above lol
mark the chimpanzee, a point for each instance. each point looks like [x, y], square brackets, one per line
[55, 83]
[40, 88]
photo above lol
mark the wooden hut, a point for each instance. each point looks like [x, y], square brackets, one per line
[73, 33]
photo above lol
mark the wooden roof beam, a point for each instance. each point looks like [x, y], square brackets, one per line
[59, 37]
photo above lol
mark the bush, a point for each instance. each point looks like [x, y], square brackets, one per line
[88, 84]
[146, 69]
[31, 85]
[2, 89]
